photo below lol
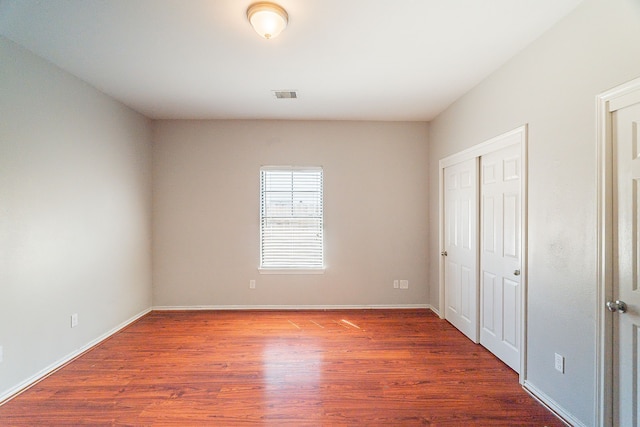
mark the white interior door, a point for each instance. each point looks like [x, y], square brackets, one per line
[460, 246]
[500, 286]
[626, 265]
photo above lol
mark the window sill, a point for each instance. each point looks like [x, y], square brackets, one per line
[290, 271]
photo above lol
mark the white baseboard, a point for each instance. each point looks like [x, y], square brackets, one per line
[14, 391]
[287, 307]
[560, 412]
[435, 310]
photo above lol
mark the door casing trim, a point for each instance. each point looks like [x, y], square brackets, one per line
[606, 103]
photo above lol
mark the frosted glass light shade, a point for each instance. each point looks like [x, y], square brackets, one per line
[268, 19]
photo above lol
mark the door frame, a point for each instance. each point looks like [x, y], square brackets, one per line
[625, 94]
[517, 135]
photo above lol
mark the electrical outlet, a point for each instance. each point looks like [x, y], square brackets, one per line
[74, 320]
[559, 363]
[395, 284]
[252, 284]
[404, 284]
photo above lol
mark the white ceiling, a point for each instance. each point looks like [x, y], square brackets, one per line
[349, 59]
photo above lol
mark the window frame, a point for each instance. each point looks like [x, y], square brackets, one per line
[290, 270]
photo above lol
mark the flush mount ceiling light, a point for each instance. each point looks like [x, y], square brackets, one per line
[268, 19]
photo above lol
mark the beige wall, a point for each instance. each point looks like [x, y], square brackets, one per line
[75, 207]
[206, 217]
[552, 86]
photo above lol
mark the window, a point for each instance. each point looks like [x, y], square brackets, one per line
[291, 229]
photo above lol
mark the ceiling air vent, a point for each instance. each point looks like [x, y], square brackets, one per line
[285, 94]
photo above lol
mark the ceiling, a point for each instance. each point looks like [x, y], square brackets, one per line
[348, 59]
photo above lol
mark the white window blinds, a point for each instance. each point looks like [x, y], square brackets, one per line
[291, 229]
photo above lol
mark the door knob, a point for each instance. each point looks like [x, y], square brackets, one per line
[618, 305]
[516, 273]
[443, 253]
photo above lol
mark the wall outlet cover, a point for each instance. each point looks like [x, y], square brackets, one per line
[559, 363]
[404, 284]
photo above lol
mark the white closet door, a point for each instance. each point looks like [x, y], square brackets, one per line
[460, 246]
[501, 231]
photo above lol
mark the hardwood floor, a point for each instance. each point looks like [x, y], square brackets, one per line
[302, 368]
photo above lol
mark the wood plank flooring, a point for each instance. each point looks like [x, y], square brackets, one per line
[300, 368]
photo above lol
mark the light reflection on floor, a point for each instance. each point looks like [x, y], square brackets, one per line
[292, 373]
